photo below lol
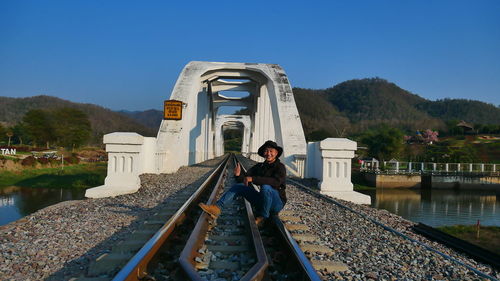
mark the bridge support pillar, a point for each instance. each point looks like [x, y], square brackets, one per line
[127, 155]
[330, 162]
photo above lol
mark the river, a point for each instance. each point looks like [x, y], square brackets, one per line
[439, 207]
[17, 202]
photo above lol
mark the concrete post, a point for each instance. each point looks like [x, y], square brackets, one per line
[458, 167]
[397, 166]
[434, 166]
[470, 167]
[494, 167]
[300, 162]
[409, 166]
[482, 167]
[333, 169]
[446, 167]
[128, 155]
[422, 166]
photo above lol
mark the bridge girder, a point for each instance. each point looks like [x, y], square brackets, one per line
[272, 113]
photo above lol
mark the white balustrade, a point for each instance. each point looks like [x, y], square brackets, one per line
[395, 166]
[330, 162]
[127, 159]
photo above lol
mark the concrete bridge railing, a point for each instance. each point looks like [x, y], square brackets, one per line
[330, 162]
[128, 157]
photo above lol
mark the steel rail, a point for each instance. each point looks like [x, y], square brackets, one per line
[390, 229]
[197, 237]
[256, 272]
[136, 268]
[309, 273]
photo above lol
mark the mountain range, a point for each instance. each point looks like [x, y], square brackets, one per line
[346, 109]
[103, 120]
[353, 106]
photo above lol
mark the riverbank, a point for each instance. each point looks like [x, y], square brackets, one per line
[489, 236]
[71, 176]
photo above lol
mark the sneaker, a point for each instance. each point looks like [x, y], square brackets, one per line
[212, 210]
[259, 221]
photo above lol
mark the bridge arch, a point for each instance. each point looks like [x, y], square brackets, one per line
[232, 122]
[270, 106]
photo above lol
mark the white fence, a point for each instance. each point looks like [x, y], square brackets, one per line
[419, 167]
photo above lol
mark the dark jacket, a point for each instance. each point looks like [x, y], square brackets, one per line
[273, 174]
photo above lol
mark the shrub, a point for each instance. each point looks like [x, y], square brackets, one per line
[54, 162]
[43, 161]
[28, 161]
[72, 159]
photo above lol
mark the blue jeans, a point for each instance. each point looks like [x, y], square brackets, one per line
[266, 202]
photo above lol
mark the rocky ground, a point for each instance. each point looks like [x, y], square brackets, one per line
[58, 242]
[372, 252]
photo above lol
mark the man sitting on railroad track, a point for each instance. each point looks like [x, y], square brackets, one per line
[270, 175]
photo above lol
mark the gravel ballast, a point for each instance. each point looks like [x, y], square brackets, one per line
[369, 250]
[60, 241]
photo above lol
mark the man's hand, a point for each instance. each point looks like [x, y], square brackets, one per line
[237, 170]
[247, 180]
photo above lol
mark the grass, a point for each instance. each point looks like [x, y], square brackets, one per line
[75, 176]
[360, 183]
[359, 187]
[489, 236]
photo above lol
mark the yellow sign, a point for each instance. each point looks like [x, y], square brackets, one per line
[172, 110]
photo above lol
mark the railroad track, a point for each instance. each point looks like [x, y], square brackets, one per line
[232, 248]
[229, 248]
[297, 242]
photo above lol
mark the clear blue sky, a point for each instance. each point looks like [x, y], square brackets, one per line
[128, 54]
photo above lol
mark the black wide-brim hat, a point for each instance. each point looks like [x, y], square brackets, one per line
[272, 144]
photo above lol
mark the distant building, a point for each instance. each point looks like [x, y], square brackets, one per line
[466, 126]
[369, 163]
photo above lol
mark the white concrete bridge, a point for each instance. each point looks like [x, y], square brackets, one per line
[200, 91]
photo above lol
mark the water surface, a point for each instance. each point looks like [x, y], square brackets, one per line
[439, 207]
[17, 202]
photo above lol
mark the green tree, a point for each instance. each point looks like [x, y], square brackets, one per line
[2, 132]
[318, 135]
[383, 143]
[39, 126]
[72, 127]
[9, 135]
[20, 133]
